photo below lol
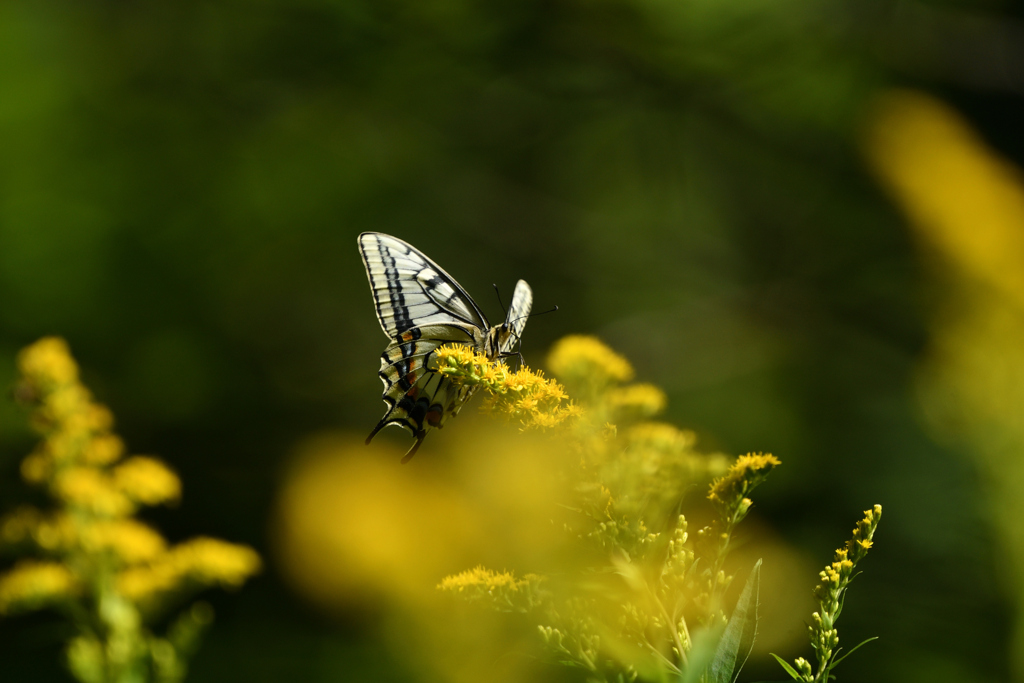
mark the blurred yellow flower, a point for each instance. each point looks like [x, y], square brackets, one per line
[143, 583]
[70, 403]
[146, 480]
[211, 561]
[204, 561]
[620, 604]
[103, 449]
[30, 585]
[641, 400]
[350, 528]
[501, 590]
[93, 490]
[48, 532]
[106, 564]
[960, 196]
[586, 360]
[965, 204]
[480, 577]
[128, 540]
[37, 467]
[660, 435]
[48, 361]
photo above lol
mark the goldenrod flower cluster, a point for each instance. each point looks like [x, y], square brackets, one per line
[835, 579]
[629, 615]
[729, 493]
[501, 590]
[34, 584]
[642, 463]
[524, 395]
[586, 361]
[96, 557]
[626, 604]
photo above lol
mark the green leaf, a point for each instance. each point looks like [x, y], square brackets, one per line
[738, 638]
[790, 670]
[700, 655]
[852, 650]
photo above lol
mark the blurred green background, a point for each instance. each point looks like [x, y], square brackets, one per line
[182, 182]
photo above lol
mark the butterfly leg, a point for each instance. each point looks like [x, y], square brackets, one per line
[519, 353]
[515, 354]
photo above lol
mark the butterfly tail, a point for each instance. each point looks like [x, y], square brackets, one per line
[380, 425]
[420, 435]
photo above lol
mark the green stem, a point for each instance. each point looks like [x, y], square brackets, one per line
[671, 625]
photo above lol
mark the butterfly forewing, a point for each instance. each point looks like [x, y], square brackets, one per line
[421, 307]
[411, 290]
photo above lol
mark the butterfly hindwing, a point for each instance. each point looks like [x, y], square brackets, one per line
[410, 290]
[418, 397]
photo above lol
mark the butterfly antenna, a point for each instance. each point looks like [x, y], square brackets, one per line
[495, 285]
[534, 315]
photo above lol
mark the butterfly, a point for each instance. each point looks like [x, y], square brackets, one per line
[421, 307]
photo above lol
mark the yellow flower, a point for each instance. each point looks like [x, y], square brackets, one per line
[493, 373]
[56, 532]
[92, 490]
[661, 436]
[99, 418]
[127, 539]
[525, 394]
[211, 561]
[31, 585]
[645, 400]
[17, 526]
[458, 354]
[587, 360]
[747, 472]
[146, 480]
[143, 582]
[69, 403]
[37, 467]
[858, 546]
[48, 361]
[29, 525]
[481, 577]
[201, 561]
[103, 450]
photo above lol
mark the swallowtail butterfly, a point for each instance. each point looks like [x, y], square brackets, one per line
[421, 307]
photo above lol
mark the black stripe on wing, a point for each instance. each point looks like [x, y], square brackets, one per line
[409, 289]
[426, 404]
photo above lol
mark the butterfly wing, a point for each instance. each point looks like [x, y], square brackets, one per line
[410, 290]
[418, 397]
[420, 307]
[518, 311]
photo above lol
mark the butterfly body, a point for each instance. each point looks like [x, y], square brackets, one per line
[420, 308]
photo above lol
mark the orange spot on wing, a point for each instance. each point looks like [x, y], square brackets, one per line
[433, 417]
